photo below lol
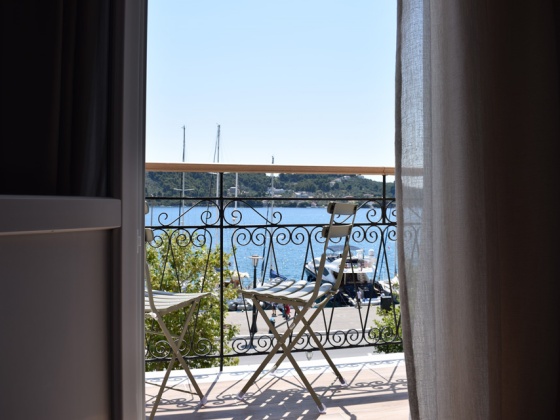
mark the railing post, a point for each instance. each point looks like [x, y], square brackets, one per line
[384, 206]
[222, 215]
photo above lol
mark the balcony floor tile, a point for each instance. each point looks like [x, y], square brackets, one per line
[377, 390]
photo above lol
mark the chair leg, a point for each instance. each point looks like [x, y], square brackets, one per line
[177, 356]
[307, 326]
[320, 406]
[267, 359]
[287, 353]
[292, 344]
[325, 354]
[162, 387]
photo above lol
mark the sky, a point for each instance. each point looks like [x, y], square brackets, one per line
[308, 82]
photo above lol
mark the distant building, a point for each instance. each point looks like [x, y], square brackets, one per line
[276, 191]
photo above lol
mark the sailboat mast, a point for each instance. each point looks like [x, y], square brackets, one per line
[236, 188]
[217, 160]
[272, 183]
[271, 232]
[217, 148]
[182, 181]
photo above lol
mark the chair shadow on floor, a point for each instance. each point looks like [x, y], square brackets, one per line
[373, 387]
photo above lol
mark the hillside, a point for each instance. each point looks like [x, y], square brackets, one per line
[168, 184]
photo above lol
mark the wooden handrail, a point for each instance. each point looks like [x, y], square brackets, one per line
[269, 169]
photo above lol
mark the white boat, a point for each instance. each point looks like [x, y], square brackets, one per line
[358, 269]
[390, 287]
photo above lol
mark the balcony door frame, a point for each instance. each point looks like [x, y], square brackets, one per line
[72, 272]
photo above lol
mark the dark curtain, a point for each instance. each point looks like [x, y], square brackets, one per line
[56, 97]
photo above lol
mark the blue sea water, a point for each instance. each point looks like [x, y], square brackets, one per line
[290, 256]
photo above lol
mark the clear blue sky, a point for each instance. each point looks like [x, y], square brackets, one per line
[306, 81]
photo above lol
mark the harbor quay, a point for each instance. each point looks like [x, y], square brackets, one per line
[339, 318]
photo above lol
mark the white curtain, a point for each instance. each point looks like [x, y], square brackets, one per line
[478, 173]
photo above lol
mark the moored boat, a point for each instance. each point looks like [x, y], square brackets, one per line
[358, 269]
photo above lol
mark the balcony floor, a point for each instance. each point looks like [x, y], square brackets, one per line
[377, 390]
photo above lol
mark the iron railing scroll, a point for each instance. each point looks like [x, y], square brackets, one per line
[213, 241]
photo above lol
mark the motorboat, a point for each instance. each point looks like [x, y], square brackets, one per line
[358, 274]
[358, 269]
[390, 287]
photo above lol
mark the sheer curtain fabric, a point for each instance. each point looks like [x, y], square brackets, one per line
[477, 152]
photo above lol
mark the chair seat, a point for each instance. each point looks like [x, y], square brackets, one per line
[268, 287]
[288, 291]
[166, 302]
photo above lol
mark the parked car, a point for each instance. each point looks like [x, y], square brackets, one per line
[239, 304]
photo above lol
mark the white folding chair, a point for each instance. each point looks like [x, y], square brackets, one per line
[303, 296]
[156, 305]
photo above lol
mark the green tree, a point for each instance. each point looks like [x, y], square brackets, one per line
[179, 263]
[389, 328]
[389, 325]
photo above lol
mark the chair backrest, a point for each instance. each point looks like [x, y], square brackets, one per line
[339, 229]
[148, 237]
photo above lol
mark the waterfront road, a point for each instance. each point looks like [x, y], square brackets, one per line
[341, 318]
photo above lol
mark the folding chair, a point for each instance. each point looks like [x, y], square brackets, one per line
[303, 296]
[156, 305]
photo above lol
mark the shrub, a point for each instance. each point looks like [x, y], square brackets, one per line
[389, 328]
[181, 262]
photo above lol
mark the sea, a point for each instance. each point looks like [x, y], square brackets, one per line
[290, 256]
